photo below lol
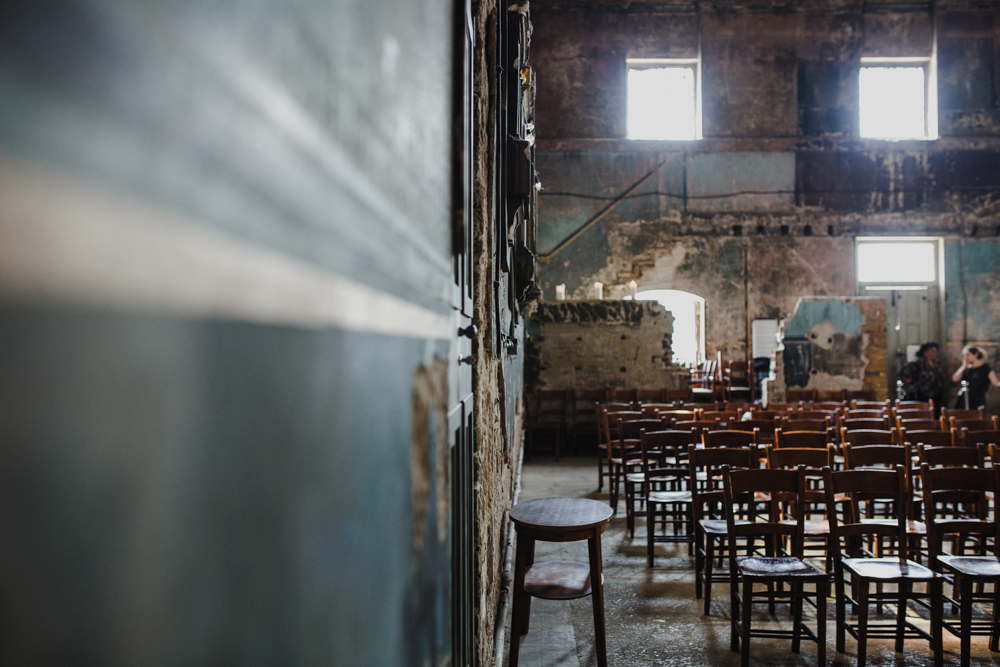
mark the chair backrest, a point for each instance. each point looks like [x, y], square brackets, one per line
[920, 424]
[859, 424]
[864, 414]
[707, 497]
[828, 406]
[869, 405]
[913, 414]
[816, 414]
[801, 439]
[766, 427]
[719, 415]
[953, 457]
[783, 408]
[968, 438]
[648, 396]
[692, 425]
[953, 487]
[628, 429]
[962, 414]
[867, 436]
[782, 487]
[914, 405]
[609, 422]
[713, 439]
[872, 456]
[551, 406]
[847, 527]
[670, 441]
[818, 425]
[674, 413]
[583, 403]
[651, 409]
[812, 458]
[929, 438]
[767, 414]
[974, 424]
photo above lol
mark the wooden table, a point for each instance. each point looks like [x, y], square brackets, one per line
[558, 520]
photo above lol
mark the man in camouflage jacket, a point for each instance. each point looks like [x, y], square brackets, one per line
[922, 378]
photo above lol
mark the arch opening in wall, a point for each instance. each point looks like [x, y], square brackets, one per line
[688, 344]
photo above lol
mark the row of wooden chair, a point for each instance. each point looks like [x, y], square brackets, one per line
[729, 477]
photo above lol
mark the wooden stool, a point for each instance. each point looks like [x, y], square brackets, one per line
[557, 520]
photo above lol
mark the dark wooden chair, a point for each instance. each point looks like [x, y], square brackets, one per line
[656, 446]
[582, 404]
[644, 396]
[707, 497]
[906, 415]
[801, 439]
[654, 409]
[767, 414]
[864, 424]
[719, 415]
[603, 427]
[869, 405]
[624, 454]
[779, 565]
[818, 425]
[974, 424]
[850, 413]
[549, 414]
[848, 532]
[736, 381]
[666, 489]
[965, 486]
[921, 424]
[913, 405]
[765, 429]
[969, 438]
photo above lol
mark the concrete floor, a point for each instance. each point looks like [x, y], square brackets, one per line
[652, 615]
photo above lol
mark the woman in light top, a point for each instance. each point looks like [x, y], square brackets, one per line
[978, 374]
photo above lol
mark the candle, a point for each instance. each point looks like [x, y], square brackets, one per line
[599, 291]
[632, 286]
[561, 292]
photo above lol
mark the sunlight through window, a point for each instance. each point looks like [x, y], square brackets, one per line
[662, 103]
[689, 324]
[893, 103]
[896, 263]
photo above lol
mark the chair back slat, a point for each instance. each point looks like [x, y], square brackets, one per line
[729, 438]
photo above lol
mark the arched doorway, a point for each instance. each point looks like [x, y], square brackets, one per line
[688, 342]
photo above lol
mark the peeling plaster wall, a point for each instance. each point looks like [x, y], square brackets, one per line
[763, 210]
[602, 345]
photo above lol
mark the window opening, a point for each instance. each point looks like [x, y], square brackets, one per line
[898, 98]
[688, 341]
[897, 262]
[664, 99]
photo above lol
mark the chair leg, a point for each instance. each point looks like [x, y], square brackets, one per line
[600, 469]
[994, 628]
[734, 613]
[796, 591]
[650, 531]
[822, 592]
[965, 609]
[862, 623]
[840, 603]
[745, 622]
[629, 506]
[709, 568]
[904, 593]
[937, 627]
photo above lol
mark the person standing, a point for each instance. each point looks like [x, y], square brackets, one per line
[978, 374]
[922, 378]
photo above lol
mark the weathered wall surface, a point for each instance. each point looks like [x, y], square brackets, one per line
[602, 345]
[763, 210]
[225, 268]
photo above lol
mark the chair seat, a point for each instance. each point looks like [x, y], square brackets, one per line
[912, 527]
[669, 497]
[812, 526]
[778, 567]
[975, 566]
[558, 580]
[714, 526]
[888, 569]
[635, 477]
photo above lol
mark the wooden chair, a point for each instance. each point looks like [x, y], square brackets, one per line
[707, 498]
[765, 429]
[951, 457]
[736, 381]
[848, 530]
[864, 414]
[818, 425]
[656, 448]
[813, 460]
[970, 486]
[652, 409]
[912, 414]
[666, 490]
[829, 406]
[550, 414]
[869, 405]
[801, 439]
[604, 428]
[729, 439]
[626, 452]
[779, 565]
[864, 424]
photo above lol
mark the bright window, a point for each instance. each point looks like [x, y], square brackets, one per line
[898, 98]
[663, 99]
[908, 262]
[688, 343]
